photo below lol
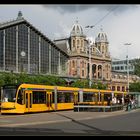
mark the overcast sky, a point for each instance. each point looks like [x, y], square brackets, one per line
[121, 23]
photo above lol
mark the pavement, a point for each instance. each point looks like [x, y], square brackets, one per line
[48, 123]
[54, 117]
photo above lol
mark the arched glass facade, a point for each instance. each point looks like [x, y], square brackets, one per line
[24, 49]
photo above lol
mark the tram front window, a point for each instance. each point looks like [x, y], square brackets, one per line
[9, 95]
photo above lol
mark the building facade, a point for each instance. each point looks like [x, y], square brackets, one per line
[121, 66]
[23, 48]
[92, 60]
[86, 61]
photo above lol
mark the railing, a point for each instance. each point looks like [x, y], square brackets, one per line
[92, 107]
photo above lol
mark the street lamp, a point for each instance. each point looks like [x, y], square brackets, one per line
[89, 53]
[127, 61]
[90, 68]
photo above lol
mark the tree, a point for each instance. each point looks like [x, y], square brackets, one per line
[79, 83]
[9, 78]
[137, 67]
[101, 85]
[22, 78]
[85, 84]
[134, 87]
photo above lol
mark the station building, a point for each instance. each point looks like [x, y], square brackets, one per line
[23, 48]
[92, 60]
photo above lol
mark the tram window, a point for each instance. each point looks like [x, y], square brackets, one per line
[63, 97]
[39, 97]
[68, 97]
[20, 97]
[78, 97]
[106, 97]
[52, 97]
[60, 97]
[87, 97]
[71, 97]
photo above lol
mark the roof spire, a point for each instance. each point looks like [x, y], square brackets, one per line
[77, 20]
[20, 16]
[101, 28]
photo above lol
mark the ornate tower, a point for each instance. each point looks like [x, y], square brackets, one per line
[77, 39]
[101, 43]
[76, 62]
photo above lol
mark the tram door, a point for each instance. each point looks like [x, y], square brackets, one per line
[49, 100]
[28, 100]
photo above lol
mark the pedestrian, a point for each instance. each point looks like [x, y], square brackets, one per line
[114, 100]
[108, 101]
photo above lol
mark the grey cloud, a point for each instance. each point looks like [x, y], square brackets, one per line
[68, 8]
[65, 8]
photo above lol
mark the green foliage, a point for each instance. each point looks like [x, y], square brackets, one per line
[80, 83]
[137, 67]
[1, 80]
[101, 85]
[12, 78]
[8, 78]
[134, 87]
[85, 84]
[22, 78]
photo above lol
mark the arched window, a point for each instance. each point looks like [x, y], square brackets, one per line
[74, 43]
[107, 75]
[87, 70]
[118, 88]
[73, 64]
[113, 88]
[99, 48]
[78, 43]
[82, 64]
[94, 70]
[103, 49]
[99, 71]
[83, 73]
[82, 43]
[123, 88]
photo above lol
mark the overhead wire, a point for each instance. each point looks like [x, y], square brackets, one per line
[110, 11]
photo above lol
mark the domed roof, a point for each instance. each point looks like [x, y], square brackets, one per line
[102, 37]
[77, 30]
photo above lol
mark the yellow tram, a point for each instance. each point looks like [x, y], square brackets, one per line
[26, 98]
